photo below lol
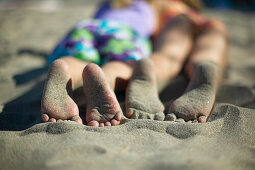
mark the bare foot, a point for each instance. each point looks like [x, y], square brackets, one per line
[197, 102]
[56, 104]
[142, 101]
[103, 108]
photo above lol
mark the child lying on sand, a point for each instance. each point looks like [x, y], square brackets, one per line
[187, 39]
[117, 41]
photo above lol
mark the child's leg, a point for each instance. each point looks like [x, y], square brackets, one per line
[173, 46]
[142, 99]
[63, 76]
[205, 69]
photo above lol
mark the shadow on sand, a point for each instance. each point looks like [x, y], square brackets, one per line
[24, 111]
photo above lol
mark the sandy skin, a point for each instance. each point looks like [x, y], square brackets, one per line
[57, 103]
[198, 100]
[142, 101]
[103, 108]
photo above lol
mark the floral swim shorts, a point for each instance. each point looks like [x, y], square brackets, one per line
[101, 41]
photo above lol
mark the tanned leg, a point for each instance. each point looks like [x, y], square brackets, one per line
[172, 48]
[205, 70]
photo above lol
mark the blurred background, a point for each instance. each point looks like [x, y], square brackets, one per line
[244, 5]
[50, 5]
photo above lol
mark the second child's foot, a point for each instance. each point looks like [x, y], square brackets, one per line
[198, 100]
[56, 104]
[142, 101]
[103, 108]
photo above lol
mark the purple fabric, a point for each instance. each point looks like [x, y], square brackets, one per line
[139, 16]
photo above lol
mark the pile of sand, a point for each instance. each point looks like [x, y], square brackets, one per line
[227, 141]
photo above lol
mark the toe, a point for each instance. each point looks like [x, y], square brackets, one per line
[93, 123]
[129, 112]
[118, 116]
[202, 119]
[195, 121]
[114, 122]
[101, 125]
[134, 115]
[59, 120]
[142, 116]
[107, 124]
[45, 117]
[77, 119]
[92, 115]
[180, 120]
[52, 120]
[149, 116]
[159, 116]
[170, 117]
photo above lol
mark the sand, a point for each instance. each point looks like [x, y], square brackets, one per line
[227, 141]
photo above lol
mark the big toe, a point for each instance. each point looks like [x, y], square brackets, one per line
[45, 117]
[77, 119]
[118, 116]
[183, 111]
[170, 117]
[202, 119]
[93, 123]
[159, 116]
[114, 122]
[52, 120]
[132, 113]
[135, 115]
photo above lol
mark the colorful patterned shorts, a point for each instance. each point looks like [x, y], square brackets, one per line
[101, 41]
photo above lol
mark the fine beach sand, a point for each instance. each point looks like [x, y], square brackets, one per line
[226, 141]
